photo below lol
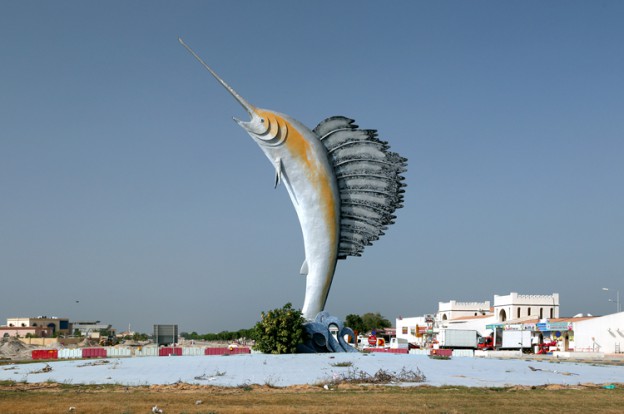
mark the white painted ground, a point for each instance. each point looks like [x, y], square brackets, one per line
[284, 370]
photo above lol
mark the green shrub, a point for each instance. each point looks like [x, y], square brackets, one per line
[279, 331]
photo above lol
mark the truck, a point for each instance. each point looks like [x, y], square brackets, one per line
[458, 338]
[511, 339]
[398, 343]
[486, 343]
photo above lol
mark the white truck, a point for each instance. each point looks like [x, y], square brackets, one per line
[458, 338]
[511, 339]
[398, 343]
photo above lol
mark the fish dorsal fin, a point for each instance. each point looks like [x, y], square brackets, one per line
[304, 268]
[369, 179]
[331, 124]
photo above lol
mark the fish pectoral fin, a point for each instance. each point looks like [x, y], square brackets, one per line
[278, 172]
[304, 267]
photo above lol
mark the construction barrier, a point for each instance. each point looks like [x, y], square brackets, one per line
[469, 353]
[441, 352]
[419, 352]
[227, 351]
[146, 351]
[112, 351]
[93, 353]
[45, 354]
[67, 353]
[388, 350]
[193, 351]
[169, 351]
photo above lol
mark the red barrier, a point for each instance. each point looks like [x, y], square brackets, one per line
[442, 352]
[45, 354]
[94, 353]
[388, 350]
[227, 351]
[167, 351]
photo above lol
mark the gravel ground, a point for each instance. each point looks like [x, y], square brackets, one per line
[320, 369]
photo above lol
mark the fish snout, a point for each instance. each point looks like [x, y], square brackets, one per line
[265, 127]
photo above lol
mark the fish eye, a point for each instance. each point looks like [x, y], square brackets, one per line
[262, 120]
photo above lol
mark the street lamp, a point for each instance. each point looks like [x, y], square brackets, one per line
[617, 299]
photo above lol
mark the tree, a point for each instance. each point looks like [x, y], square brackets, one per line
[374, 321]
[355, 322]
[367, 322]
[279, 331]
[140, 336]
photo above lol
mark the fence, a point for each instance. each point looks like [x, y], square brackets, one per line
[227, 351]
[114, 352]
[388, 350]
[45, 354]
[149, 351]
[170, 351]
[94, 353]
[67, 353]
[193, 351]
[469, 353]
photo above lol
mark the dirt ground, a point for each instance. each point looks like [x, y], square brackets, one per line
[13, 349]
[48, 398]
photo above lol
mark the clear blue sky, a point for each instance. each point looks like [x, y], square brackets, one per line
[125, 184]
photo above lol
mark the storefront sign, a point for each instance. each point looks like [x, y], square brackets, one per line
[554, 326]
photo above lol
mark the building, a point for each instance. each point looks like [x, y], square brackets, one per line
[39, 326]
[25, 331]
[452, 310]
[537, 314]
[516, 306]
[600, 334]
[91, 328]
[416, 330]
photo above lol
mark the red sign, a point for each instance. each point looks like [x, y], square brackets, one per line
[372, 340]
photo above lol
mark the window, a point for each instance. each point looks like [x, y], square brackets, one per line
[552, 313]
[541, 313]
[529, 312]
[502, 315]
[518, 312]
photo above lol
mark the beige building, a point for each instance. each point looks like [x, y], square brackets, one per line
[39, 326]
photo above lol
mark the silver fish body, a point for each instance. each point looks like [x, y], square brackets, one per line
[302, 165]
[343, 182]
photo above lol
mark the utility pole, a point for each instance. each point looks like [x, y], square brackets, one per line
[617, 300]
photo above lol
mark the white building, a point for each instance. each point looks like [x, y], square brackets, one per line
[452, 310]
[600, 334]
[91, 329]
[413, 329]
[516, 306]
[536, 313]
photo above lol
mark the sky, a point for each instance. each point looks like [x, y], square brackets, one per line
[129, 196]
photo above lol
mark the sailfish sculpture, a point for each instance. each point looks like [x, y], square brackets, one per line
[343, 181]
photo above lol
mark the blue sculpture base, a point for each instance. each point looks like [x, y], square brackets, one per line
[318, 338]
